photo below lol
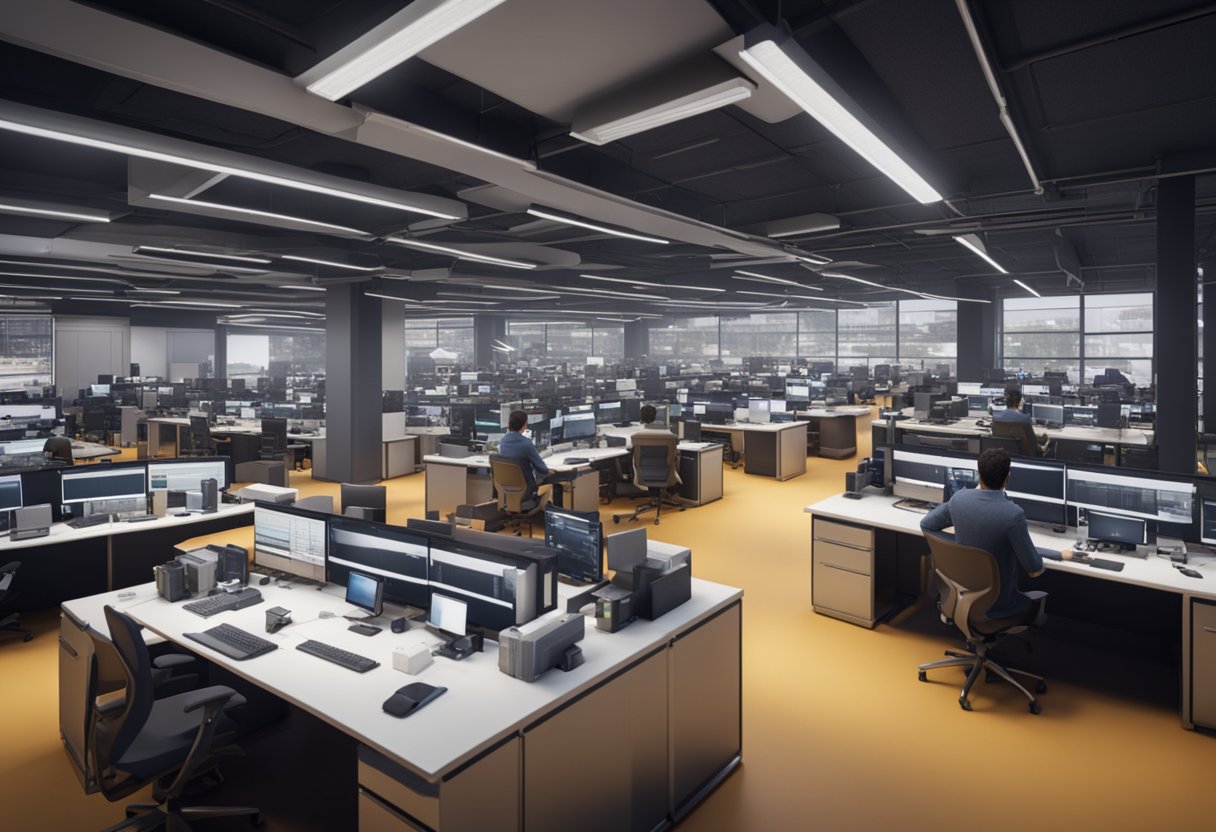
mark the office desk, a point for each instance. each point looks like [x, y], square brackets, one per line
[837, 430]
[639, 724]
[69, 563]
[428, 441]
[700, 465]
[770, 449]
[251, 430]
[967, 428]
[857, 571]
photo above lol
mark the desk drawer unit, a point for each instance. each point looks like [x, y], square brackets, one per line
[1203, 663]
[842, 572]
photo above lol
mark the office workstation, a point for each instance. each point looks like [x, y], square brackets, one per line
[369, 395]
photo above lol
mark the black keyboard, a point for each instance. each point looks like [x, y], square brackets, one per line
[207, 607]
[233, 642]
[91, 520]
[349, 660]
[139, 518]
[1098, 563]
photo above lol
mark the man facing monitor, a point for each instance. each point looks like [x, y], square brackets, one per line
[984, 518]
[514, 445]
[1013, 408]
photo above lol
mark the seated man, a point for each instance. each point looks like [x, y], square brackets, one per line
[516, 446]
[985, 518]
[1014, 412]
[647, 416]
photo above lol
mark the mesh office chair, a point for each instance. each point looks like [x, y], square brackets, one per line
[59, 449]
[970, 585]
[656, 465]
[275, 444]
[132, 739]
[1023, 432]
[1008, 444]
[11, 624]
[367, 502]
[201, 441]
[518, 496]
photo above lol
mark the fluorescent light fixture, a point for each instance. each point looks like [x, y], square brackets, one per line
[1027, 288]
[303, 288]
[926, 295]
[31, 211]
[801, 297]
[117, 283]
[331, 263]
[649, 283]
[393, 42]
[464, 301]
[155, 291]
[785, 65]
[253, 212]
[520, 289]
[200, 164]
[756, 277]
[278, 326]
[190, 253]
[580, 290]
[406, 301]
[795, 226]
[973, 242]
[209, 303]
[545, 215]
[677, 109]
[460, 254]
[814, 259]
[551, 296]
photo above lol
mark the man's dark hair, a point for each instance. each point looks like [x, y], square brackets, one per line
[1013, 397]
[518, 420]
[647, 414]
[994, 468]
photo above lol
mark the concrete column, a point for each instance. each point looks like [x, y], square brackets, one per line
[637, 339]
[1175, 324]
[353, 345]
[486, 328]
[976, 332]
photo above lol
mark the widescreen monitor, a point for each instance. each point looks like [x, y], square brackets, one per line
[290, 540]
[578, 538]
[399, 557]
[186, 475]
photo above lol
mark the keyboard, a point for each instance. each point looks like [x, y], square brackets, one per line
[351, 661]
[140, 518]
[207, 607]
[233, 642]
[91, 520]
[1097, 563]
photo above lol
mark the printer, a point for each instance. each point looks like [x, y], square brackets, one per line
[201, 566]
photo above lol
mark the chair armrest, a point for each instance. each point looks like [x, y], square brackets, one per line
[108, 703]
[214, 695]
[171, 660]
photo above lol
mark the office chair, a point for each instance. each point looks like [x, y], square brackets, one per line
[323, 503]
[11, 624]
[58, 448]
[367, 502]
[518, 496]
[692, 430]
[202, 443]
[656, 466]
[1023, 432]
[131, 739]
[1007, 443]
[970, 583]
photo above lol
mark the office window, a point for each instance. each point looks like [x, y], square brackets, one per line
[608, 341]
[567, 342]
[26, 351]
[424, 335]
[248, 356]
[528, 340]
[760, 334]
[1119, 334]
[1042, 334]
[928, 334]
[691, 339]
[817, 335]
[303, 352]
[456, 335]
[866, 336]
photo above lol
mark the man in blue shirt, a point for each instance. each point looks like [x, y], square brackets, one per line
[985, 518]
[1013, 408]
[515, 445]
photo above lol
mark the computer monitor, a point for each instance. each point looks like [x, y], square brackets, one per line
[1109, 415]
[1112, 528]
[290, 540]
[626, 550]
[631, 410]
[578, 538]
[448, 615]
[758, 410]
[578, 425]
[626, 384]
[1207, 528]
[186, 474]
[608, 412]
[960, 478]
[921, 476]
[1167, 501]
[1038, 488]
[398, 557]
[120, 489]
[797, 393]
[969, 388]
[1047, 414]
[99, 389]
[10, 492]
[365, 592]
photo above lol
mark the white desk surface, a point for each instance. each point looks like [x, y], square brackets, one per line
[63, 533]
[431, 430]
[481, 706]
[968, 427]
[757, 427]
[252, 428]
[554, 462]
[1152, 572]
[828, 413]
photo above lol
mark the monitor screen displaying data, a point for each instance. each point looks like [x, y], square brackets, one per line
[289, 540]
[578, 539]
[185, 476]
[10, 492]
[104, 484]
[1038, 487]
[397, 556]
[1132, 496]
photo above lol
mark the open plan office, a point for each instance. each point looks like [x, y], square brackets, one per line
[445, 415]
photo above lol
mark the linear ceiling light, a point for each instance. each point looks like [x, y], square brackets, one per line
[190, 253]
[154, 291]
[973, 242]
[651, 284]
[814, 259]
[200, 164]
[460, 254]
[756, 277]
[393, 42]
[331, 263]
[677, 109]
[800, 297]
[303, 288]
[926, 295]
[579, 290]
[545, 215]
[406, 301]
[1027, 288]
[253, 212]
[785, 65]
[30, 211]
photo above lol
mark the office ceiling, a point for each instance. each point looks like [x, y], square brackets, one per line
[1107, 96]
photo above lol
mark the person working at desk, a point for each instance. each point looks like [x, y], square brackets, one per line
[646, 416]
[514, 445]
[1013, 412]
[985, 518]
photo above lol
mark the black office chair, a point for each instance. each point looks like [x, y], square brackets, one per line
[367, 502]
[518, 496]
[201, 442]
[970, 583]
[1008, 444]
[1023, 432]
[656, 465]
[692, 431]
[59, 449]
[132, 739]
[275, 444]
[11, 624]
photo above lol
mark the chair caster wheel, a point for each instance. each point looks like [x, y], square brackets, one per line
[965, 704]
[616, 520]
[1041, 687]
[922, 676]
[28, 637]
[683, 507]
[1034, 708]
[656, 521]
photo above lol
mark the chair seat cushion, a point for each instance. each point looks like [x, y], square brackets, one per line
[167, 737]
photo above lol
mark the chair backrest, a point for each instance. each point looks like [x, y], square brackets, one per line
[137, 666]
[7, 573]
[1022, 432]
[320, 502]
[58, 447]
[655, 461]
[692, 431]
[972, 579]
[510, 483]
[274, 435]
[1006, 443]
[373, 498]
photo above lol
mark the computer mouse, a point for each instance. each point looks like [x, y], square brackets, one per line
[1190, 573]
[1058, 529]
[265, 580]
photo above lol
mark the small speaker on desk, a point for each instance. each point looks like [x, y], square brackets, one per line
[160, 503]
[211, 500]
